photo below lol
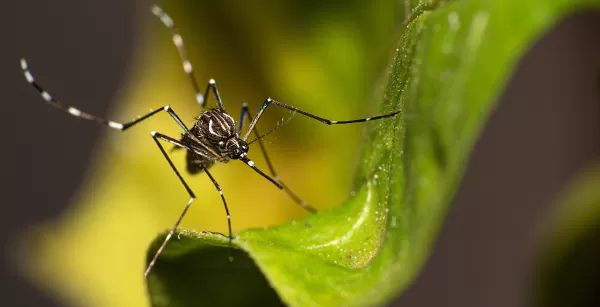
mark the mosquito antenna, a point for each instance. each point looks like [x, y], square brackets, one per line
[279, 125]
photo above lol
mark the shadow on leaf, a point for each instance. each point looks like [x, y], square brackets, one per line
[190, 270]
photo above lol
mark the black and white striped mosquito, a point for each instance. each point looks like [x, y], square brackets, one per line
[214, 137]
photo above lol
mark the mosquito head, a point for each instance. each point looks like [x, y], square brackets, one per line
[236, 148]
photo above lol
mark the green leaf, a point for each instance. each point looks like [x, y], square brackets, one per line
[451, 63]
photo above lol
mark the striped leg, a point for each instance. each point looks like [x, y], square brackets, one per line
[178, 41]
[224, 205]
[269, 101]
[157, 136]
[246, 114]
[78, 113]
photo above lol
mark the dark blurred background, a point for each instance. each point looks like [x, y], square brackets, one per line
[85, 46]
[546, 129]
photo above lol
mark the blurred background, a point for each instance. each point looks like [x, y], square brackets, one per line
[82, 202]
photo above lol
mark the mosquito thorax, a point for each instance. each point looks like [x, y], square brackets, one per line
[236, 148]
[216, 126]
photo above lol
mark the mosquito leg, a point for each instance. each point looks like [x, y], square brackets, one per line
[243, 116]
[112, 124]
[187, 65]
[269, 101]
[246, 114]
[224, 203]
[178, 41]
[157, 136]
[78, 113]
[213, 85]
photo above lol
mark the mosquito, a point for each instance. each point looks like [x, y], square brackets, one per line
[214, 136]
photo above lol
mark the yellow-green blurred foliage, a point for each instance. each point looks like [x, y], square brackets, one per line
[324, 57]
